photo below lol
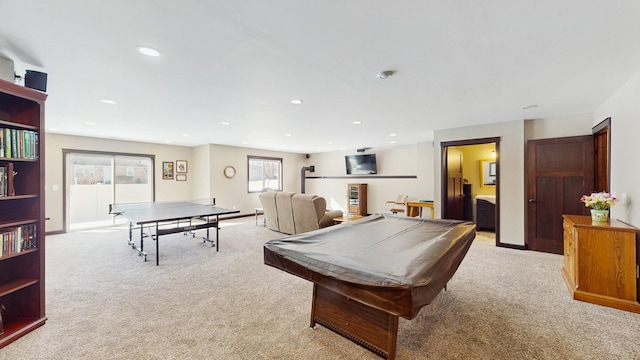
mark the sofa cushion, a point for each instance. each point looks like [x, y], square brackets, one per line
[307, 211]
[268, 201]
[285, 212]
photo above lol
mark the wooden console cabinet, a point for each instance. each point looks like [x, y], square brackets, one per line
[601, 262]
[357, 199]
[21, 211]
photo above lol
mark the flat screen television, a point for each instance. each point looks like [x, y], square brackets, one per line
[361, 164]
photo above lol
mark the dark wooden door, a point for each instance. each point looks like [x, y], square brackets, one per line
[559, 172]
[455, 195]
[601, 149]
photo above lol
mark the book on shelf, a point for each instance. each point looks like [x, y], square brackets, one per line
[14, 143]
[18, 144]
[7, 143]
[18, 239]
[7, 176]
[11, 191]
[3, 176]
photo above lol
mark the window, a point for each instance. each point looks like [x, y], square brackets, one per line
[264, 174]
[93, 180]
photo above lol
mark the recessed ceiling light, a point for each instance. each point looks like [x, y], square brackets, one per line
[287, 134]
[529, 107]
[296, 101]
[244, 143]
[185, 135]
[330, 142]
[357, 123]
[225, 123]
[168, 141]
[89, 123]
[107, 101]
[392, 142]
[148, 51]
[394, 134]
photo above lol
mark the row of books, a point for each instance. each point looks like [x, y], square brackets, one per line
[6, 180]
[18, 144]
[15, 240]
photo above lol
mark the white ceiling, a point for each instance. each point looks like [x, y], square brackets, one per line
[457, 63]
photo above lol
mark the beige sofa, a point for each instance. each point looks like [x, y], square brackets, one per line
[292, 213]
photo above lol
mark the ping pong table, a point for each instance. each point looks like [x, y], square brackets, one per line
[170, 218]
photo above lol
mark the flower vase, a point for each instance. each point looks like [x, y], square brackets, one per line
[599, 215]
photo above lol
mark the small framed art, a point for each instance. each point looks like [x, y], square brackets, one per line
[181, 166]
[167, 170]
[181, 177]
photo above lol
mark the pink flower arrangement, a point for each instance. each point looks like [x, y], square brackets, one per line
[599, 201]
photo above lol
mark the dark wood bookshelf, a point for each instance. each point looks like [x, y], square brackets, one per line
[22, 285]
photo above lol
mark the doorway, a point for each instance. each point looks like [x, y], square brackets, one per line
[93, 180]
[470, 183]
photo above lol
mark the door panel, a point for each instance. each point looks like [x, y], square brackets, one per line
[546, 188]
[89, 188]
[559, 172]
[455, 196]
[602, 149]
[560, 157]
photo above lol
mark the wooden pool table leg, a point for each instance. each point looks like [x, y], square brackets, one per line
[373, 329]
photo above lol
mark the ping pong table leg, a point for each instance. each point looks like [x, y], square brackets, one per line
[131, 243]
[157, 246]
[207, 238]
[217, 232]
[141, 249]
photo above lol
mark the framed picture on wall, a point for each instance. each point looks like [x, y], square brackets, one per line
[167, 170]
[181, 166]
[181, 177]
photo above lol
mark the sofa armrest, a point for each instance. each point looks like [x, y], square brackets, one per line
[327, 218]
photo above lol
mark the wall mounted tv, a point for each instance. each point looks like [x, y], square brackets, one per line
[361, 164]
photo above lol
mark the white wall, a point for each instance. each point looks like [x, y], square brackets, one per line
[200, 172]
[402, 160]
[623, 107]
[233, 192]
[573, 125]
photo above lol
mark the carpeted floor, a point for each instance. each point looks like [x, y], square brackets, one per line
[104, 302]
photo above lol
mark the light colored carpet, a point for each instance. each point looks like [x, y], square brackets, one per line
[104, 302]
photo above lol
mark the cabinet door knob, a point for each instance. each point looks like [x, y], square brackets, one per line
[532, 200]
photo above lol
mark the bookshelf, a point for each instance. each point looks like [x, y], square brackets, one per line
[22, 296]
[357, 199]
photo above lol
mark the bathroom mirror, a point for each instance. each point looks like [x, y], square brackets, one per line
[488, 173]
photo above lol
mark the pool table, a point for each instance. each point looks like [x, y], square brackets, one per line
[367, 273]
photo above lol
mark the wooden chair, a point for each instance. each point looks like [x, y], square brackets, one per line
[398, 205]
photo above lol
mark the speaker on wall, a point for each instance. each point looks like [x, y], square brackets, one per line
[36, 80]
